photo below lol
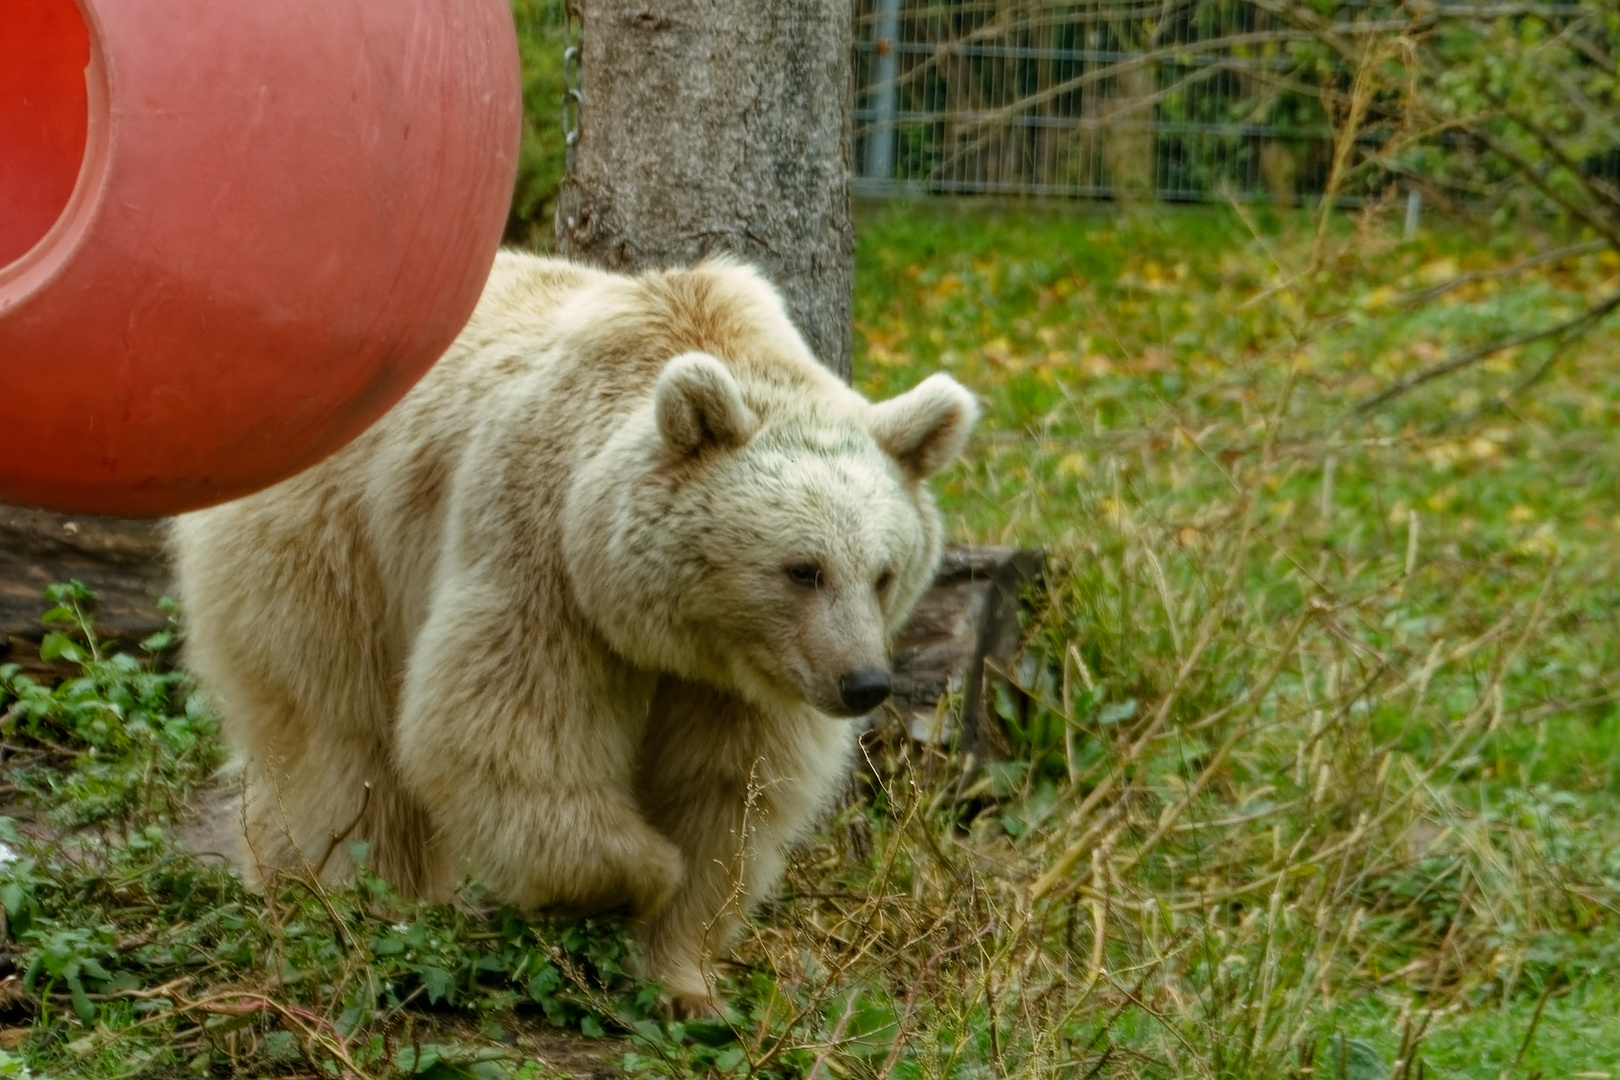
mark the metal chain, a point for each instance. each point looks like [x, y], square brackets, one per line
[573, 95]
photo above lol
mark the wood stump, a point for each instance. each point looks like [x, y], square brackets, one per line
[121, 560]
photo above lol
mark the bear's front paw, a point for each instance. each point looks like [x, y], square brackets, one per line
[687, 993]
[702, 1006]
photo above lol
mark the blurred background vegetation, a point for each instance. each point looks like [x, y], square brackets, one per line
[542, 156]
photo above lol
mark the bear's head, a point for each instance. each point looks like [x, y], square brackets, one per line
[764, 531]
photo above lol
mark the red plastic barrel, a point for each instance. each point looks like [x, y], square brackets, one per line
[234, 232]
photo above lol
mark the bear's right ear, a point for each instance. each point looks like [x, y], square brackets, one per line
[699, 406]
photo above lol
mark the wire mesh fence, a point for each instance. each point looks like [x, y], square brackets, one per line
[1105, 98]
[1170, 99]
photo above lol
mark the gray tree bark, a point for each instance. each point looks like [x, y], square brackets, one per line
[714, 126]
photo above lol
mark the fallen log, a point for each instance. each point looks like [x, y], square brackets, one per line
[119, 559]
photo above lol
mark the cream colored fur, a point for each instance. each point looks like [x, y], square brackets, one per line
[540, 625]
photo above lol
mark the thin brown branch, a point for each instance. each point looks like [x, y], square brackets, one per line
[1555, 149]
[1564, 329]
[1434, 292]
[1599, 224]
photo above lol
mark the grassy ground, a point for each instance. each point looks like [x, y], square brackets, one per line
[1387, 640]
[1316, 775]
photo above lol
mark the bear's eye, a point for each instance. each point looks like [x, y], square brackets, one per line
[884, 580]
[805, 575]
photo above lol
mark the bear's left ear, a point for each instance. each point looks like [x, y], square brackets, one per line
[699, 406]
[927, 426]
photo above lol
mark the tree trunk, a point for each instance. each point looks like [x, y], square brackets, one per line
[719, 127]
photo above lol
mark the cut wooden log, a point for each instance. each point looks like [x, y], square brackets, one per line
[965, 630]
[963, 634]
[119, 559]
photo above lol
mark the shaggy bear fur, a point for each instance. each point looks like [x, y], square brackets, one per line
[580, 616]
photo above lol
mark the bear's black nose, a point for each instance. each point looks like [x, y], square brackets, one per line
[864, 690]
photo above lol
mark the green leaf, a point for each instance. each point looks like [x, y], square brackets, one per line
[1118, 711]
[438, 982]
[387, 945]
[711, 1032]
[1355, 1059]
[281, 1047]
[1006, 705]
[158, 642]
[557, 1012]
[590, 1026]
[12, 897]
[653, 1034]
[67, 591]
[82, 1005]
[57, 645]
[1005, 778]
[122, 980]
[417, 1059]
[546, 982]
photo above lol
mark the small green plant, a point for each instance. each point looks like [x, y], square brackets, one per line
[120, 741]
[125, 935]
[138, 941]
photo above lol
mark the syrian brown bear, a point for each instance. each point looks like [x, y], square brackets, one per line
[586, 617]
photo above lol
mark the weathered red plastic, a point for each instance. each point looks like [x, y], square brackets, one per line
[234, 232]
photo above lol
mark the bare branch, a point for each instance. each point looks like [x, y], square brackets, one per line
[1552, 146]
[1434, 292]
[1569, 327]
[1528, 170]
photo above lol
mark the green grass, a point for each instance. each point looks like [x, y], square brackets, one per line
[1432, 586]
[1316, 767]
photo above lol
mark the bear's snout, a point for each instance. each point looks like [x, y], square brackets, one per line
[864, 690]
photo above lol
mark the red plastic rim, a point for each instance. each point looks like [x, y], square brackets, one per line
[44, 118]
[361, 150]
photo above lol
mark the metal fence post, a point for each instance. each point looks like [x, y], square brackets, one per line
[1414, 211]
[885, 95]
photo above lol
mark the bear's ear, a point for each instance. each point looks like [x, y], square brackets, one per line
[927, 426]
[699, 406]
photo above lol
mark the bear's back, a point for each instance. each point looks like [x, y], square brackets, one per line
[368, 522]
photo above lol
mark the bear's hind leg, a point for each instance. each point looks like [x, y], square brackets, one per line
[307, 795]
